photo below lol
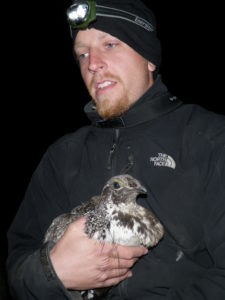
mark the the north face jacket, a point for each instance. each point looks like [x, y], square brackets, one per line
[177, 151]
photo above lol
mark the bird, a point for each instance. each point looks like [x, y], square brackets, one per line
[114, 217]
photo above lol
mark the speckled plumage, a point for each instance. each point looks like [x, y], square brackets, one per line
[114, 216]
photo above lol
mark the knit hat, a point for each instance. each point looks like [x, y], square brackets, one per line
[132, 22]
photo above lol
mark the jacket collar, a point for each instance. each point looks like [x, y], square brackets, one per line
[154, 103]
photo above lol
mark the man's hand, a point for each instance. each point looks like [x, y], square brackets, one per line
[82, 263]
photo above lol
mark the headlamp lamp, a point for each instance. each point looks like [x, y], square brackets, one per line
[81, 14]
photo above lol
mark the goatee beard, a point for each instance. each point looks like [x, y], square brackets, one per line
[110, 108]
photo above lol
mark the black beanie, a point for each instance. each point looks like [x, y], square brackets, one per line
[139, 35]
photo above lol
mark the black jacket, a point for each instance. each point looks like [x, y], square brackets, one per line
[177, 151]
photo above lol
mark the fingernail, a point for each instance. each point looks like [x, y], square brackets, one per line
[129, 274]
[146, 251]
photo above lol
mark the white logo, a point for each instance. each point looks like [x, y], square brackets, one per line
[163, 160]
[143, 23]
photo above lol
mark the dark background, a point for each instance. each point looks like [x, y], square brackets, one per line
[43, 95]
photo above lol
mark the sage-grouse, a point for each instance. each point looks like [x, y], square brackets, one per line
[115, 217]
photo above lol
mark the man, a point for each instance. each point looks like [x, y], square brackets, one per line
[177, 151]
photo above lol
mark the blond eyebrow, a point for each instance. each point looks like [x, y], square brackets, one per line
[81, 45]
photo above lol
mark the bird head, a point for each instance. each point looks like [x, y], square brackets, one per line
[122, 189]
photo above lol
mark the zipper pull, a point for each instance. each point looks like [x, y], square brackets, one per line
[113, 148]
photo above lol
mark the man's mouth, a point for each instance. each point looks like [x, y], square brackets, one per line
[104, 85]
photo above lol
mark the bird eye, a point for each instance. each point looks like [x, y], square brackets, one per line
[116, 185]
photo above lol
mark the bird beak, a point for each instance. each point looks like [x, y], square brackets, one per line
[142, 190]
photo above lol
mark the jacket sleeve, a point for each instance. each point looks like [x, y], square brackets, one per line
[212, 284]
[46, 197]
[30, 279]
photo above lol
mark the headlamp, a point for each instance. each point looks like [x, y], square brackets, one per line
[81, 14]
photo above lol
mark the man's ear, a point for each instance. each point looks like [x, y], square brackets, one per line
[151, 67]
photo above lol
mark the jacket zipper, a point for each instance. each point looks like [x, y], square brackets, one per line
[116, 135]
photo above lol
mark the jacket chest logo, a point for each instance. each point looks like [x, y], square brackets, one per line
[163, 160]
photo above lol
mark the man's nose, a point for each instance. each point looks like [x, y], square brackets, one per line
[96, 61]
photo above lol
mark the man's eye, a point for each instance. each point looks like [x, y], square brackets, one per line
[82, 56]
[111, 45]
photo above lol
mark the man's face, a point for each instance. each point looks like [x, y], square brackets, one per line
[116, 76]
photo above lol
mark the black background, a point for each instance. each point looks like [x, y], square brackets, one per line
[43, 94]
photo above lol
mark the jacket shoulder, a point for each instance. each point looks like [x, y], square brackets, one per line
[75, 137]
[204, 123]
